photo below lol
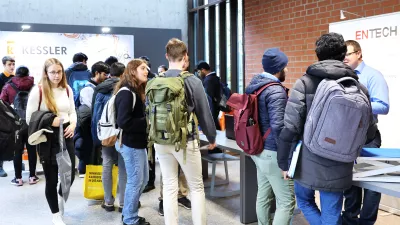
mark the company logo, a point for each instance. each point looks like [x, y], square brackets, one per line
[381, 32]
[10, 47]
[44, 50]
[13, 48]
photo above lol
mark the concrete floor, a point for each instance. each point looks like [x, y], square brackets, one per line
[28, 205]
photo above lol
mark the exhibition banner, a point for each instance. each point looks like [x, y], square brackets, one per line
[379, 37]
[33, 48]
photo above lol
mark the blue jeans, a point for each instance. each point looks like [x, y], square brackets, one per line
[331, 205]
[137, 170]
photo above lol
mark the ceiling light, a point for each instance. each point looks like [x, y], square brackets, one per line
[105, 29]
[26, 27]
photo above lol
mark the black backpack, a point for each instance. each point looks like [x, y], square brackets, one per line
[225, 95]
[20, 101]
[9, 131]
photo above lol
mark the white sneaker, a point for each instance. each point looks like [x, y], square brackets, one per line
[61, 205]
[57, 219]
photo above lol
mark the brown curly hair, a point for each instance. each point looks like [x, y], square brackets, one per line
[129, 78]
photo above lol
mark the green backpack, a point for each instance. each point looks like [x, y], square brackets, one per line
[167, 112]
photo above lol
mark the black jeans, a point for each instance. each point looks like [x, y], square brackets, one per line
[354, 199]
[32, 157]
[152, 168]
[84, 160]
[51, 174]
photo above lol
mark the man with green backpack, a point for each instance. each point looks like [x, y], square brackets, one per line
[177, 104]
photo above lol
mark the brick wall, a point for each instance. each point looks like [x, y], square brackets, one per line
[295, 25]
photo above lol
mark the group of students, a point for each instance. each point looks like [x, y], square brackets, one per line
[57, 99]
[286, 117]
[53, 100]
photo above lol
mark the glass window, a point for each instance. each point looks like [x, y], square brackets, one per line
[206, 40]
[217, 70]
[228, 45]
[240, 76]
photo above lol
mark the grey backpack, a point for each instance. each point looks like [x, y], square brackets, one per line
[337, 123]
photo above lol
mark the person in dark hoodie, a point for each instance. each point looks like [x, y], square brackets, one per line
[21, 82]
[152, 165]
[271, 109]
[313, 172]
[78, 74]
[102, 93]
[212, 85]
[9, 66]
[111, 60]
[151, 75]
[83, 135]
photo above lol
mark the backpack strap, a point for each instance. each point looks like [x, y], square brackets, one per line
[267, 134]
[14, 87]
[41, 95]
[2, 78]
[185, 74]
[258, 92]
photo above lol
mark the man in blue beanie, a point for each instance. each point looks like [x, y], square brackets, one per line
[271, 110]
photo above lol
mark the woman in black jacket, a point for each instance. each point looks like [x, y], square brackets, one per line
[131, 119]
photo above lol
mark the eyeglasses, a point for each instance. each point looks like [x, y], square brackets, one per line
[55, 72]
[351, 53]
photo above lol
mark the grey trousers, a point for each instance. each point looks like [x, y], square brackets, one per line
[110, 157]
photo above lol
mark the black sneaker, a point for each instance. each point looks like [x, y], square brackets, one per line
[148, 188]
[17, 182]
[185, 203]
[120, 208]
[161, 208]
[142, 221]
[108, 208]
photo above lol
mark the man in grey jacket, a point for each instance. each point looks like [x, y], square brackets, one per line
[313, 172]
[177, 54]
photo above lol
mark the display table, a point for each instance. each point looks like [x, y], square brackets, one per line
[248, 177]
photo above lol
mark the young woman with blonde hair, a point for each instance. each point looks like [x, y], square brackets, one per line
[53, 94]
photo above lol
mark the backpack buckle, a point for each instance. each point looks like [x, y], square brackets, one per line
[169, 107]
[165, 135]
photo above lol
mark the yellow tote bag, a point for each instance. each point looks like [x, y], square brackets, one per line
[93, 184]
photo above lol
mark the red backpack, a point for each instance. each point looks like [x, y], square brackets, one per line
[247, 129]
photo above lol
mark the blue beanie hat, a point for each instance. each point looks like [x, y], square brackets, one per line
[274, 61]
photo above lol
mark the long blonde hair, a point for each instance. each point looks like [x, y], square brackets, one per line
[129, 78]
[46, 84]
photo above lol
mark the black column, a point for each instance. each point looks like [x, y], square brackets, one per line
[234, 44]
[222, 41]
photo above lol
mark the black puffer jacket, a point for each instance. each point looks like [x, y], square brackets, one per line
[313, 171]
[83, 136]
